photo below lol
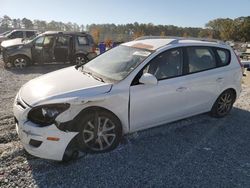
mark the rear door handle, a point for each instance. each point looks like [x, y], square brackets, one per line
[181, 89]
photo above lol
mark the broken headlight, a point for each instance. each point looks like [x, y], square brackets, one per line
[46, 114]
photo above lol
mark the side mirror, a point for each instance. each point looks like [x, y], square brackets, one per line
[148, 79]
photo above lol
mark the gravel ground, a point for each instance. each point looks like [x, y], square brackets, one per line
[196, 152]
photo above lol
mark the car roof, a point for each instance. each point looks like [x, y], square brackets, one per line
[64, 32]
[24, 30]
[155, 42]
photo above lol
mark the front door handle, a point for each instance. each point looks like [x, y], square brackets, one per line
[181, 89]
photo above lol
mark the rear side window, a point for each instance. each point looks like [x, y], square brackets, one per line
[62, 41]
[200, 59]
[30, 34]
[224, 56]
[82, 40]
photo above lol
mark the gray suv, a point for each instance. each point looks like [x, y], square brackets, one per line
[17, 33]
[51, 46]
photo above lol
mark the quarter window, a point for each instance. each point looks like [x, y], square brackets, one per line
[82, 40]
[30, 34]
[166, 65]
[200, 58]
[224, 56]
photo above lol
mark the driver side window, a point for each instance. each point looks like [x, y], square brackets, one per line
[39, 41]
[166, 65]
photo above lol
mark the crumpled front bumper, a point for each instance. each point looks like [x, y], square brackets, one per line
[35, 139]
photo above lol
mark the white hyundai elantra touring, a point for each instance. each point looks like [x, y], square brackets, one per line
[135, 86]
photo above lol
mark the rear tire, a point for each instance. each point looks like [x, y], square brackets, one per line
[80, 59]
[223, 104]
[99, 132]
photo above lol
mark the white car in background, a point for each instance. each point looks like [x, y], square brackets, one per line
[135, 86]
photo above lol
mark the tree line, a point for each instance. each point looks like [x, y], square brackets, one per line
[222, 28]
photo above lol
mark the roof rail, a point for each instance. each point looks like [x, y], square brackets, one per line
[177, 39]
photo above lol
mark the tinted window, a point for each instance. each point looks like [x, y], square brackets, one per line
[166, 65]
[16, 34]
[82, 40]
[200, 58]
[30, 34]
[224, 56]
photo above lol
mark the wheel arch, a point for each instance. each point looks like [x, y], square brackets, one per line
[71, 126]
[81, 54]
[22, 55]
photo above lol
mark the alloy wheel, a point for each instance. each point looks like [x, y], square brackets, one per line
[80, 60]
[225, 103]
[99, 133]
[20, 62]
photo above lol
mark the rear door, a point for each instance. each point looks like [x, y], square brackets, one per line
[62, 48]
[204, 79]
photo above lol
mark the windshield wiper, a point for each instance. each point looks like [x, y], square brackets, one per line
[92, 75]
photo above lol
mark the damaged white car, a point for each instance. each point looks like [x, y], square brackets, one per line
[137, 85]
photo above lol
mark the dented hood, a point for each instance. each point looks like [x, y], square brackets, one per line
[64, 83]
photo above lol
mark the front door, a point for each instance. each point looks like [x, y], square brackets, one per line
[166, 101]
[42, 50]
[37, 50]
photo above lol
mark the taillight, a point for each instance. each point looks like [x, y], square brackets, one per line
[239, 61]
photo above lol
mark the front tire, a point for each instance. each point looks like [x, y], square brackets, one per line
[20, 61]
[99, 132]
[223, 104]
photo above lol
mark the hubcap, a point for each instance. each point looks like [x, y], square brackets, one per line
[80, 60]
[20, 62]
[99, 133]
[225, 103]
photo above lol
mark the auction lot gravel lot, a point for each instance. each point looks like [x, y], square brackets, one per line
[196, 152]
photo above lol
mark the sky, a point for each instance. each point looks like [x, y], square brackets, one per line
[184, 13]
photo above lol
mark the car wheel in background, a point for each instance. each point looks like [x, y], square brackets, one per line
[80, 59]
[20, 61]
[99, 132]
[223, 104]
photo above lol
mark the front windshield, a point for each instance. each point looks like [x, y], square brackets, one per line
[117, 63]
[33, 38]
